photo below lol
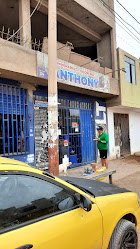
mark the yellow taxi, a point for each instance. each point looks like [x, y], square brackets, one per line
[40, 211]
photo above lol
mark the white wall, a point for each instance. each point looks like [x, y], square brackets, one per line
[134, 125]
[134, 130]
[110, 115]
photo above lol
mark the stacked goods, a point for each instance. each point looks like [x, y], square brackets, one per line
[88, 170]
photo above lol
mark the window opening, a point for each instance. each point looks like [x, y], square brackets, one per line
[130, 70]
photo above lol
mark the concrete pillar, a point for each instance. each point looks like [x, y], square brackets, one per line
[24, 15]
[114, 52]
[104, 50]
[52, 89]
[113, 45]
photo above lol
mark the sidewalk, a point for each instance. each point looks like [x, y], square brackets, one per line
[127, 174]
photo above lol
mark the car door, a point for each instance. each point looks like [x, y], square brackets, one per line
[40, 212]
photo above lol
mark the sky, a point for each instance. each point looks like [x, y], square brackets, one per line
[124, 40]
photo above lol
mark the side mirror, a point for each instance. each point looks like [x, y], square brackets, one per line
[84, 202]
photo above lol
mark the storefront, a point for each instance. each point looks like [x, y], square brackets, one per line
[78, 118]
[79, 114]
[75, 129]
[16, 122]
[24, 115]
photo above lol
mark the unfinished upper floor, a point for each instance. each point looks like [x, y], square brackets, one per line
[88, 25]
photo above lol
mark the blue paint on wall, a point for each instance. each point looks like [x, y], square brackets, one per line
[9, 82]
[31, 129]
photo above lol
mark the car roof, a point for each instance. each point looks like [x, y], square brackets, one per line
[11, 164]
[5, 160]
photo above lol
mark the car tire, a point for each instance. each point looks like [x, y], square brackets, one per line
[124, 235]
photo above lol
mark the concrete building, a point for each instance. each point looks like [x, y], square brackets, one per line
[124, 111]
[86, 73]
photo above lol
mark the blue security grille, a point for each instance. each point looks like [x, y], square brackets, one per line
[13, 120]
[76, 131]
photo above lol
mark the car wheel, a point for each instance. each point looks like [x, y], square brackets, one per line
[124, 236]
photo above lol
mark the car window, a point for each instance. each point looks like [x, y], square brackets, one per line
[25, 198]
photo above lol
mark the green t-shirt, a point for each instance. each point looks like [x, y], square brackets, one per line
[103, 143]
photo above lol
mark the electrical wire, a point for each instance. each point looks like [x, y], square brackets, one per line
[112, 10]
[128, 28]
[106, 5]
[128, 44]
[128, 12]
[117, 22]
[36, 8]
[127, 23]
[118, 6]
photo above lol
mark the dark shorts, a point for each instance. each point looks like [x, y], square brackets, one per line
[103, 154]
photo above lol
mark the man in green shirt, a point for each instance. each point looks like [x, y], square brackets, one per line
[102, 146]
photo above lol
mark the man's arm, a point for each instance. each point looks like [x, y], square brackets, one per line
[105, 139]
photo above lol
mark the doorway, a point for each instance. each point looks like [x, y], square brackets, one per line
[75, 130]
[121, 132]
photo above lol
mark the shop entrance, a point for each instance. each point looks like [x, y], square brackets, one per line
[121, 129]
[87, 134]
[75, 130]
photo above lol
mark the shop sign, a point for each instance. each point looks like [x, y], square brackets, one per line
[30, 158]
[73, 75]
[65, 142]
[74, 125]
[41, 103]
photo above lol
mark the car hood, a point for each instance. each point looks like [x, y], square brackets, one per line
[96, 188]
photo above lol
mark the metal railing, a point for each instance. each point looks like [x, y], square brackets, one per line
[37, 45]
[6, 34]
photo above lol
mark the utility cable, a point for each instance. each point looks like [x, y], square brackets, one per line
[128, 44]
[112, 10]
[36, 8]
[128, 12]
[117, 22]
[126, 22]
[118, 6]
[129, 29]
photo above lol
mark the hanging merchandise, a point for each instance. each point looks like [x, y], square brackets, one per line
[74, 125]
[65, 143]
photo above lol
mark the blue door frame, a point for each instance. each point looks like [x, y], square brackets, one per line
[88, 152]
[85, 132]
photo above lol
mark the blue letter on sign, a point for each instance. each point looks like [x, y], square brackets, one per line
[84, 81]
[63, 75]
[77, 78]
[90, 82]
[70, 74]
[96, 83]
[58, 75]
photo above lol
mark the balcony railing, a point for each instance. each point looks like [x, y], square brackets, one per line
[9, 35]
